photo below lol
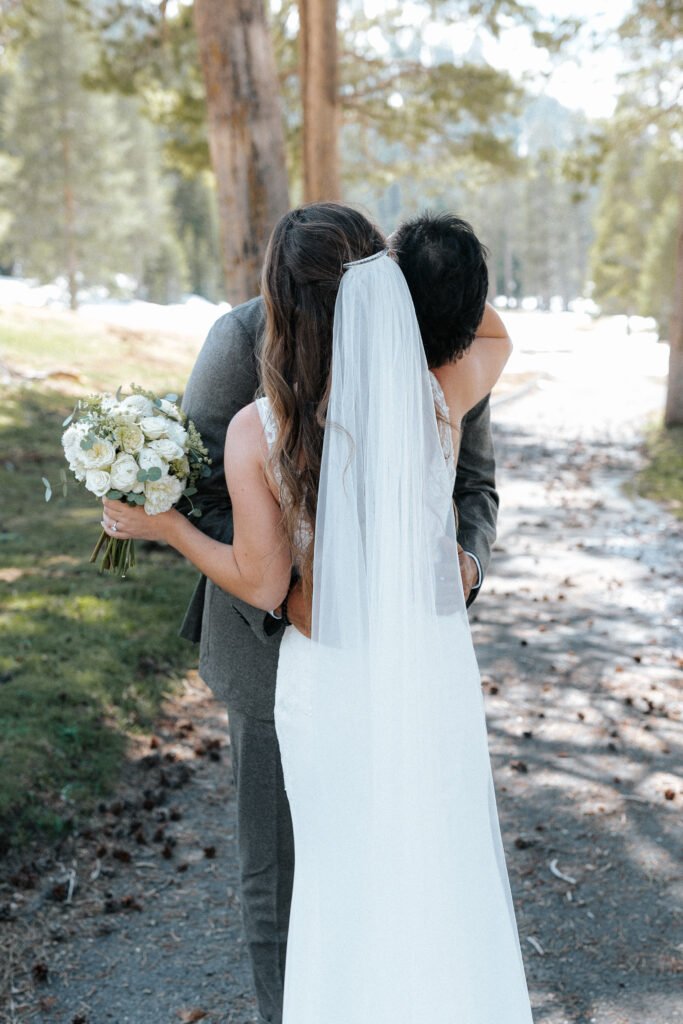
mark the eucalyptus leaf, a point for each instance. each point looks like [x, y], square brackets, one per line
[189, 491]
[48, 489]
[154, 473]
[119, 392]
[196, 512]
[142, 476]
[115, 495]
[139, 499]
[171, 398]
[157, 403]
[71, 415]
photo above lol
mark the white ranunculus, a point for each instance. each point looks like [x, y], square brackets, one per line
[138, 405]
[71, 439]
[100, 456]
[153, 427]
[78, 467]
[124, 473]
[129, 437]
[177, 433]
[161, 495]
[97, 481]
[166, 448]
[149, 458]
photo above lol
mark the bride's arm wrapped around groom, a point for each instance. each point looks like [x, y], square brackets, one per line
[223, 381]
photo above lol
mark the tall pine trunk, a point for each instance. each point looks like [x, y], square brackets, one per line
[320, 99]
[246, 138]
[673, 415]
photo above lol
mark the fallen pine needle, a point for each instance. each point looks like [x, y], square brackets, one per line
[558, 874]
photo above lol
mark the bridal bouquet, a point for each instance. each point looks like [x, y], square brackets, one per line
[139, 449]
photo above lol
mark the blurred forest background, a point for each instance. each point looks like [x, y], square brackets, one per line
[107, 140]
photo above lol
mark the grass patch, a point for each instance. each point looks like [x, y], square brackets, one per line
[84, 658]
[662, 478]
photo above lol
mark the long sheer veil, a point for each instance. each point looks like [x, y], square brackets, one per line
[414, 879]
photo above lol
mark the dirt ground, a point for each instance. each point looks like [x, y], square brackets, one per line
[137, 919]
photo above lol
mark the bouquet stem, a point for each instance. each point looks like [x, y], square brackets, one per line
[118, 557]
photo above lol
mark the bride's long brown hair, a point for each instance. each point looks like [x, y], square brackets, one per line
[301, 275]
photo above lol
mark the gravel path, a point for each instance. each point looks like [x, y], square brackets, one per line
[575, 637]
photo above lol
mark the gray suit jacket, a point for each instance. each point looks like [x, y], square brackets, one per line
[238, 643]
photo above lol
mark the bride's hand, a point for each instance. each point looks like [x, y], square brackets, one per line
[126, 522]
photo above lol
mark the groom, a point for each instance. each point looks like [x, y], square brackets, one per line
[444, 265]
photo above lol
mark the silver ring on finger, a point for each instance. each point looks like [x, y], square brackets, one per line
[114, 526]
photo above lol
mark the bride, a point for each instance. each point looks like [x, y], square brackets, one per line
[344, 469]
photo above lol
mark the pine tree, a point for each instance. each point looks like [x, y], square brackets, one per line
[69, 195]
[619, 230]
[196, 223]
[652, 33]
[245, 130]
[319, 59]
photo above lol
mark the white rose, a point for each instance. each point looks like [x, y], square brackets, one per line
[167, 449]
[149, 458]
[161, 495]
[138, 405]
[129, 437]
[177, 433]
[101, 455]
[169, 408]
[153, 427]
[97, 481]
[124, 473]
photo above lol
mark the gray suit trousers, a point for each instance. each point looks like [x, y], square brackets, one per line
[266, 852]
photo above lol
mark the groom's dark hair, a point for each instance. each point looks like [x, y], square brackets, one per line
[444, 264]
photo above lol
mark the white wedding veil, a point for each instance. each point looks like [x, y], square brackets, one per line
[414, 879]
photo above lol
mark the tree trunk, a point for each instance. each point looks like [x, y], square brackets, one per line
[673, 415]
[246, 138]
[320, 99]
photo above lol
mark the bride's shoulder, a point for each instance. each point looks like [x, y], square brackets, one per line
[246, 429]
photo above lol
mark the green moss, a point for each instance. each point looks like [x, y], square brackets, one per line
[662, 478]
[84, 658]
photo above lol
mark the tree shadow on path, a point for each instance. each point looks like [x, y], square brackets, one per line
[574, 635]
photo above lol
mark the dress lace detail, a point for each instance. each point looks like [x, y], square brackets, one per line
[442, 419]
[267, 420]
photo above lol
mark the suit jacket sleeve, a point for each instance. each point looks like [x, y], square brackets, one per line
[475, 487]
[224, 379]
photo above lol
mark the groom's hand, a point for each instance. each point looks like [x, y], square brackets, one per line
[469, 571]
[298, 610]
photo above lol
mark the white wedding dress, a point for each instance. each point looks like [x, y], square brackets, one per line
[401, 911]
